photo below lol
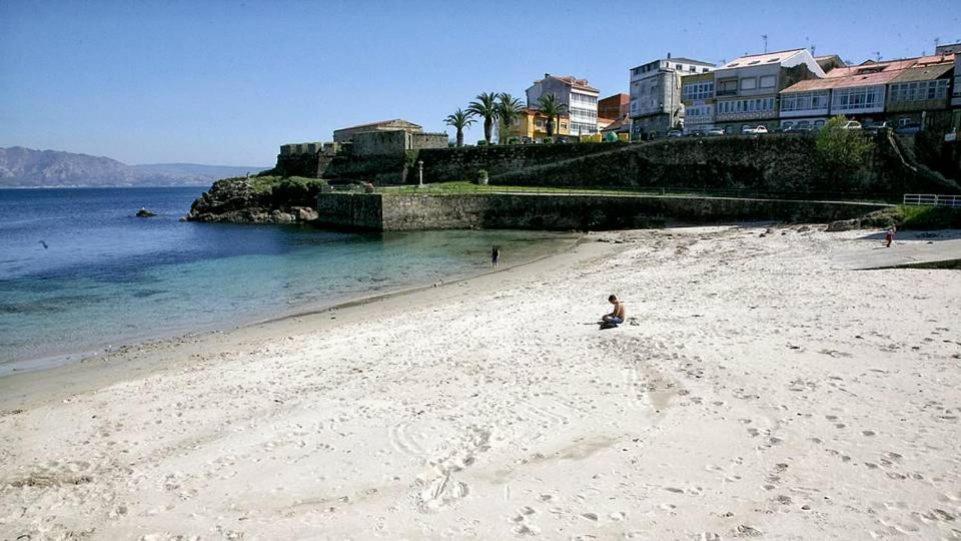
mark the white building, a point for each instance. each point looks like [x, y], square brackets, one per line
[579, 97]
[747, 88]
[656, 94]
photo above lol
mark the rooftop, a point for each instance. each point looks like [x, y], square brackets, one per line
[372, 124]
[763, 58]
[681, 59]
[879, 73]
[570, 80]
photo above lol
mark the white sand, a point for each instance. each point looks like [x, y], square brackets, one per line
[762, 390]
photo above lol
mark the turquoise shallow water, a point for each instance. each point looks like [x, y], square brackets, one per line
[108, 278]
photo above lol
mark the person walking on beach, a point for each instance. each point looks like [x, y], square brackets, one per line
[889, 236]
[495, 255]
[617, 316]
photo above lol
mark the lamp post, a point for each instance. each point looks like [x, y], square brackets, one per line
[420, 173]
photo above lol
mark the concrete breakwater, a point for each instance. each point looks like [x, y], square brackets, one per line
[394, 212]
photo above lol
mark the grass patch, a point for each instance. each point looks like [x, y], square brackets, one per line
[266, 184]
[905, 217]
[929, 217]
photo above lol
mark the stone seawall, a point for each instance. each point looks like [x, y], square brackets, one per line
[563, 212]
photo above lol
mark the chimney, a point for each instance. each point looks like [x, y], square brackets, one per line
[668, 56]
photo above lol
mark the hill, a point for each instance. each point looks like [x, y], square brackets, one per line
[25, 167]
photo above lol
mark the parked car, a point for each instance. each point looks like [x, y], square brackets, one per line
[876, 127]
[675, 133]
[851, 125]
[799, 128]
[908, 129]
[694, 133]
[714, 132]
[756, 130]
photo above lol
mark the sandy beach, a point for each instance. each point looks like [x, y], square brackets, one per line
[762, 387]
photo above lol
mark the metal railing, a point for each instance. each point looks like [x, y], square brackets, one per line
[932, 200]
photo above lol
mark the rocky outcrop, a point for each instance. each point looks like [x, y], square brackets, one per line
[144, 213]
[243, 201]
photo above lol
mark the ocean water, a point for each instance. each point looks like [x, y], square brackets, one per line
[79, 272]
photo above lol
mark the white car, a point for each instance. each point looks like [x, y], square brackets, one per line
[757, 130]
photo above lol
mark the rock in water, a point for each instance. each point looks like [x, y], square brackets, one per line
[236, 201]
[144, 213]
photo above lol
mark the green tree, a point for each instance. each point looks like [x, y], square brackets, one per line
[841, 152]
[508, 109]
[552, 109]
[485, 107]
[459, 120]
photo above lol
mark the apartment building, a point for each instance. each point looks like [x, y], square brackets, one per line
[577, 95]
[901, 91]
[655, 94]
[746, 89]
[921, 89]
[854, 91]
[697, 95]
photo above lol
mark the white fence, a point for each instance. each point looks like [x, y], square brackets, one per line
[932, 200]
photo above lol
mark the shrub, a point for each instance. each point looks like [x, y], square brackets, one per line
[841, 152]
[482, 177]
[296, 191]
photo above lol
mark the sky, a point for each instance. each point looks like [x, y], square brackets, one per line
[226, 83]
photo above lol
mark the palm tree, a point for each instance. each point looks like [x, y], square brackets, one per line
[508, 109]
[486, 108]
[459, 120]
[551, 108]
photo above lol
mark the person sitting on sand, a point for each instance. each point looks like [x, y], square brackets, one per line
[617, 316]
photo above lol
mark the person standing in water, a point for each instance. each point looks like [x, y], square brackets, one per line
[495, 255]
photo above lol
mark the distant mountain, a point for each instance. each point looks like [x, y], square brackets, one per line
[207, 173]
[25, 167]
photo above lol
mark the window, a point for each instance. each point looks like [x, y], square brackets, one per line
[697, 91]
[758, 105]
[768, 81]
[748, 83]
[727, 88]
[859, 98]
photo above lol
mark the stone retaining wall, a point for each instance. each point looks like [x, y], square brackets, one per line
[563, 212]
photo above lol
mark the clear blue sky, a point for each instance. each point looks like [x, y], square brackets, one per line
[227, 82]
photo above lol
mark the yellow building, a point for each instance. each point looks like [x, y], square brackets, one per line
[530, 123]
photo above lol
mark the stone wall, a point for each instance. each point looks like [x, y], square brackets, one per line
[563, 212]
[350, 211]
[377, 143]
[771, 164]
[419, 141]
[447, 164]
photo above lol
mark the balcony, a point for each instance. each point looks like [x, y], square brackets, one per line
[720, 93]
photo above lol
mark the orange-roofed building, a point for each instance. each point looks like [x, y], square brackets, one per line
[897, 89]
[577, 95]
